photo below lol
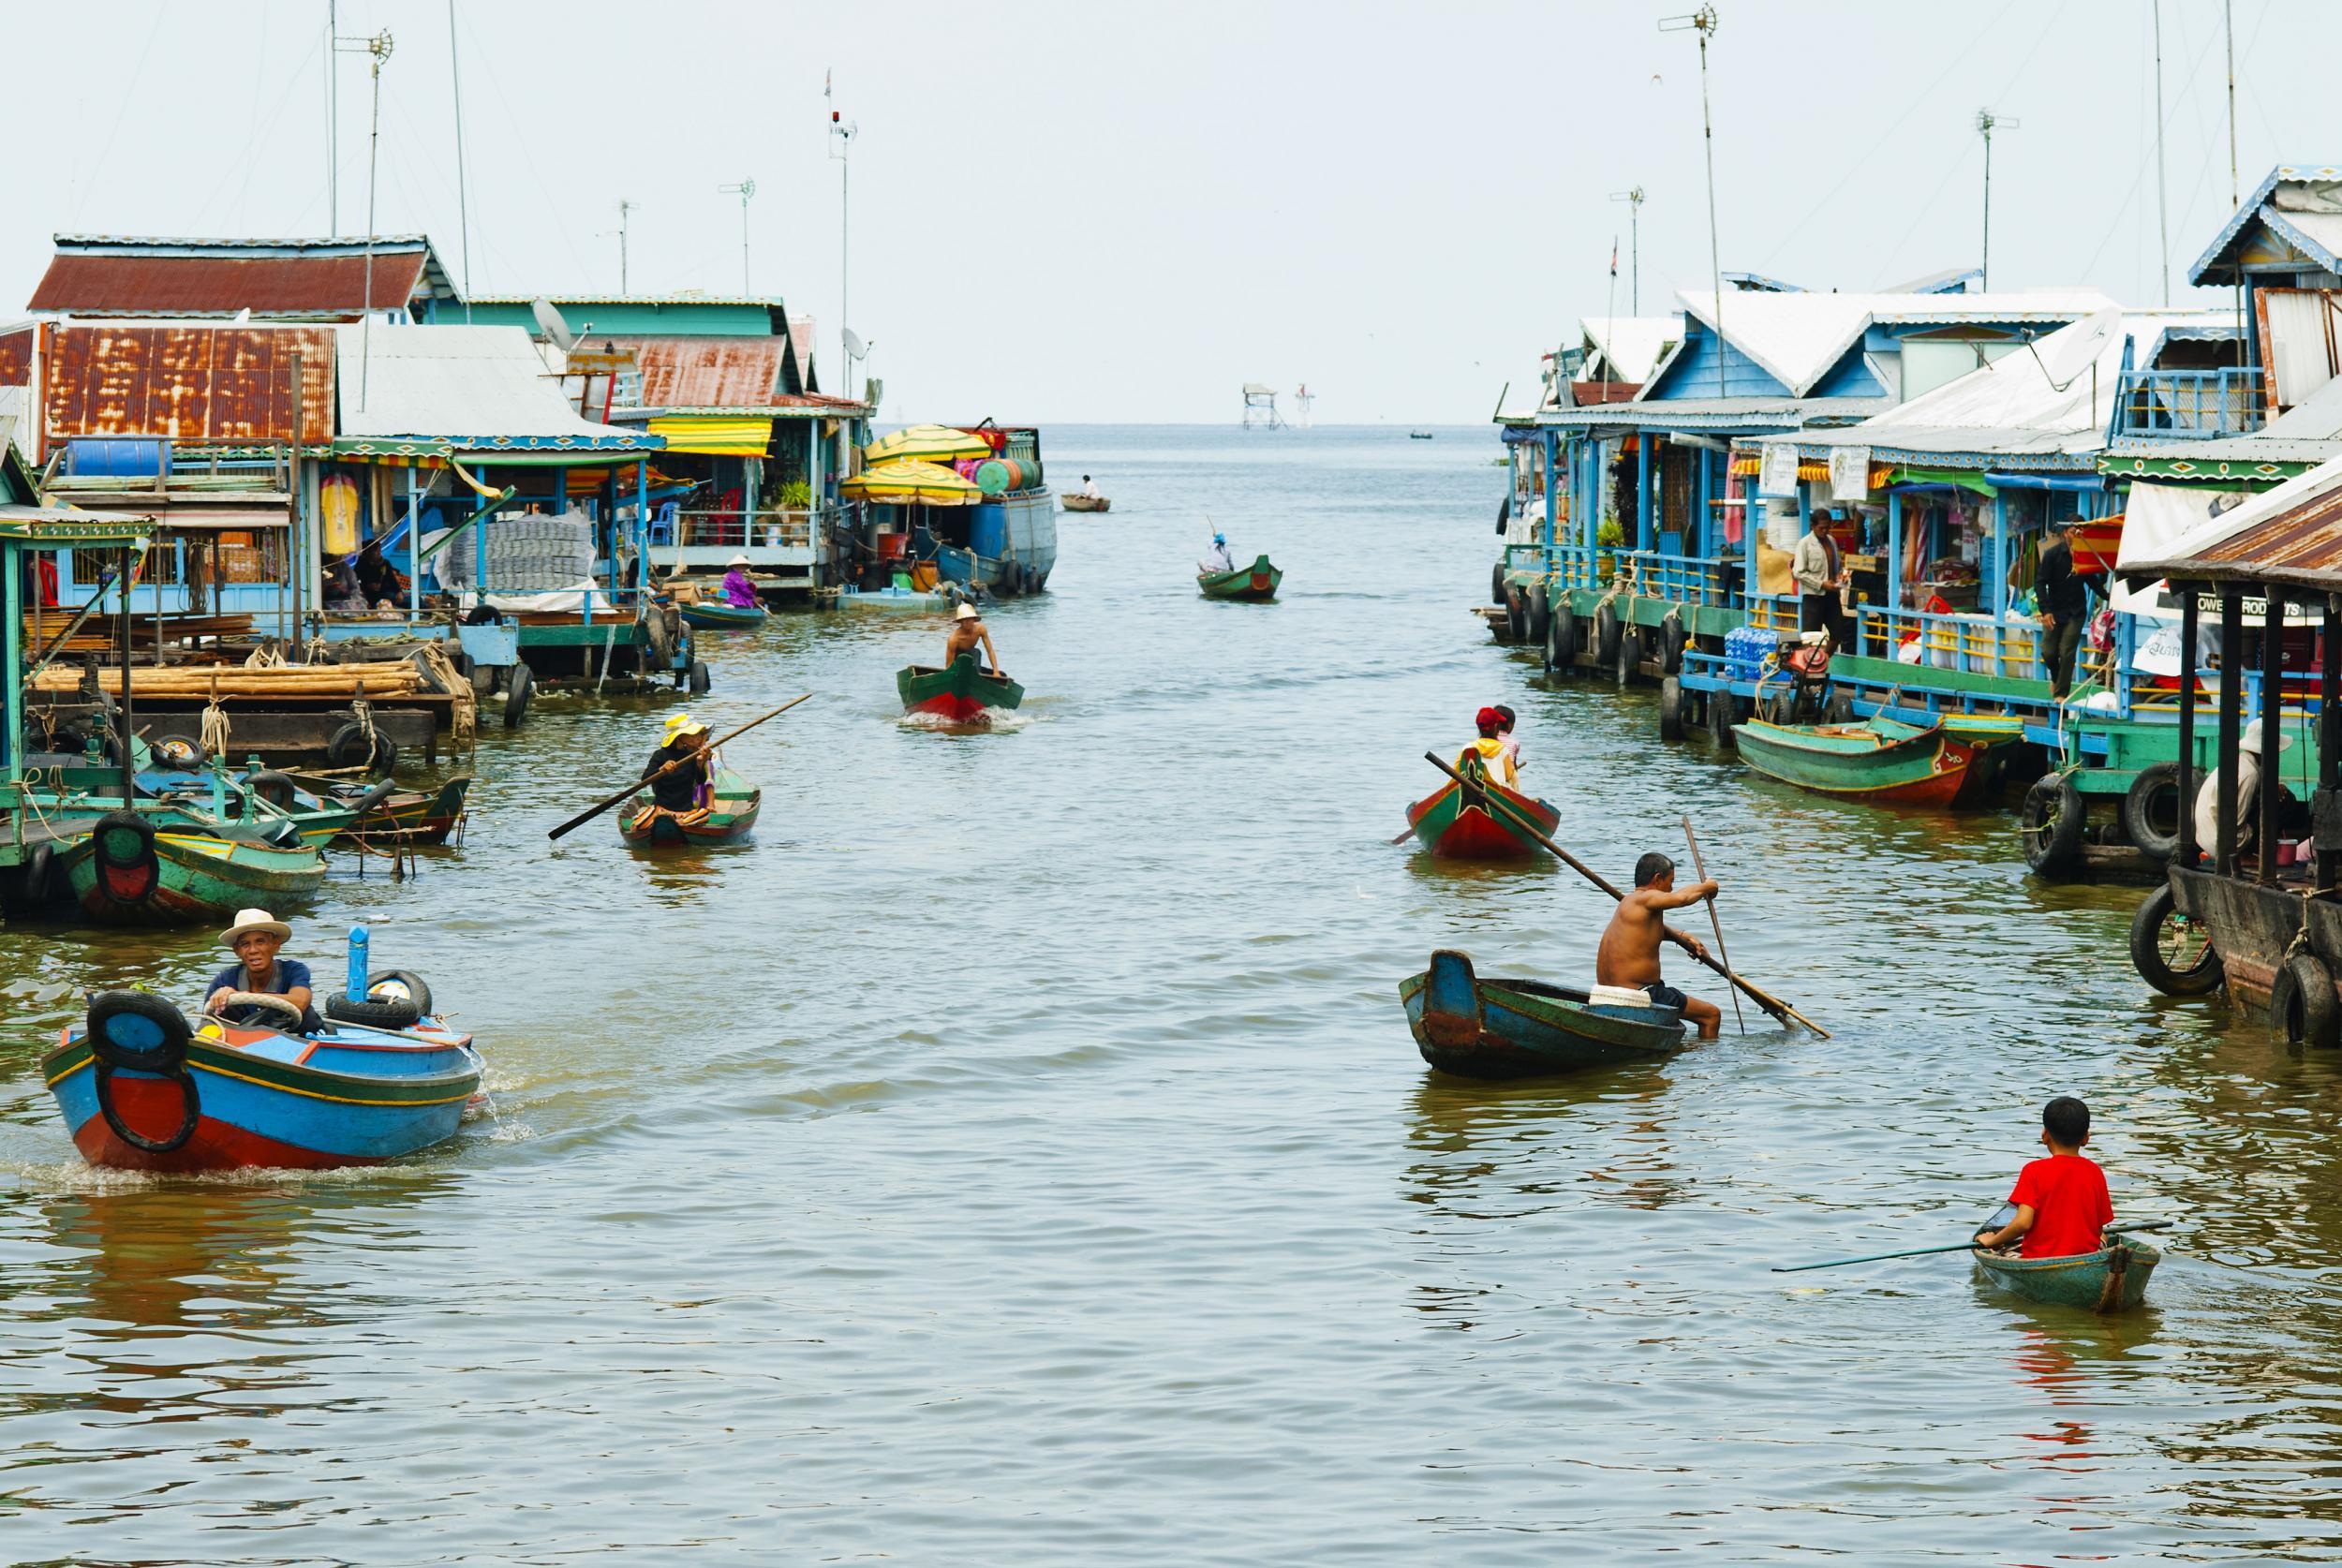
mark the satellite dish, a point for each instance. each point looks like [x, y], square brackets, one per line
[854, 346]
[2078, 347]
[549, 324]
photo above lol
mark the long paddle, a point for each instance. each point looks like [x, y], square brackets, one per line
[591, 812]
[1772, 1004]
[1700, 869]
[1923, 1251]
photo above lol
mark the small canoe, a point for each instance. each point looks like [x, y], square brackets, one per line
[726, 818]
[2111, 1279]
[141, 1089]
[1875, 760]
[1457, 824]
[155, 870]
[962, 693]
[893, 599]
[1084, 503]
[724, 617]
[1253, 585]
[1522, 1029]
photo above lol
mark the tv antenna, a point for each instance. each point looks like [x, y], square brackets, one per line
[744, 190]
[841, 135]
[1633, 241]
[1986, 123]
[626, 206]
[377, 48]
[1704, 23]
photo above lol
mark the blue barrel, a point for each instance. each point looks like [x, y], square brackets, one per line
[117, 457]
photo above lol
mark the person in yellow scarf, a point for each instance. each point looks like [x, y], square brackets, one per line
[1494, 757]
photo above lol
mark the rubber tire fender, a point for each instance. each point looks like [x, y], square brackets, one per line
[1672, 637]
[1608, 634]
[2052, 821]
[1839, 709]
[1720, 706]
[2302, 1008]
[519, 687]
[103, 829]
[1516, 614]
[1540, 615]
[1558, 631]
[273, 787]
[1670, 708]
[700, 679]
[1630, 655]
[32, 883]
[374, 1012]
[2139, 810]
[2146, 952]
[347, 750]
[1496, 583]
[169, 1024]
[417, 991]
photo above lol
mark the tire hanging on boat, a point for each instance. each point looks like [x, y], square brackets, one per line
[519, 687]
[2145, 806]
[1607, 635]
[2051, 821]
[2202, 977]
[1560, 639]
[1670, 708]
[2303, 1007]
[1517, 615]
[1540, 615]
[1672, 637]
[130, 1031]
[1720, 706]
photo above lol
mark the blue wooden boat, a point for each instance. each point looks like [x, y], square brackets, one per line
[710, 615]
[142, 1089]
[1522, 1028]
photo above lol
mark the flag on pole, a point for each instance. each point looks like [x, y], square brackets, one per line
[1614, 256]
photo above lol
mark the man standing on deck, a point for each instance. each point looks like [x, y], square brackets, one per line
[2064, 599]
[1820, 573]
[1629, 953]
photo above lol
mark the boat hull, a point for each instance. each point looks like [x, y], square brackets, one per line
[730, 817]
[1084, 503]
[1878, 761]
[197, 878]
[960, 693]
[1253, 585]
[1452, 827]
[1522, 1028]
[726, 617]
[264, 1100]
[2089, 1280]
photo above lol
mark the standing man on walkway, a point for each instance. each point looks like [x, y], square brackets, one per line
[1820, 572]
[2064, 599]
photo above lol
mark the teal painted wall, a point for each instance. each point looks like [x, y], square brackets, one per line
[630, 317]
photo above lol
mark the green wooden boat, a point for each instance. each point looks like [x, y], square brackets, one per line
[962, 693]
[1876, 759]
[1523, 1028]
[730, 813]
[1256, 584]
[2113, 1278]
[165, 869]
[715, 615]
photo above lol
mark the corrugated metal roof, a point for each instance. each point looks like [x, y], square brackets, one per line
[708, 372]
[16, 357]
[274, 280]
[760, 301]
[194, 383]
[460, 387]
[2258, 206]
[784, 406]
[801, 349]
[2290, 535]
[1631, 344]
[1717, 413]
[1797, 338]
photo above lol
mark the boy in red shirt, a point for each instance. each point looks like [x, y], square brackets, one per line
[2061, 1204]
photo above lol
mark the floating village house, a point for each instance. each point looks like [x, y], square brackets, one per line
[753, 450]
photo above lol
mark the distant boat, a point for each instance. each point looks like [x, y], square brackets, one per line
[1256, 582]
[1419, 435]
[1073, 502]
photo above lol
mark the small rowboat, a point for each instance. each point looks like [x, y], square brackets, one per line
[1522, 1028]
[1876, 759]
[141, 1089]
[726, 818]
[1252, 585]
[1071, 502]
[711, 616]
[961, 693]
[2113, 1278]
[1455, 825]
[167, 868]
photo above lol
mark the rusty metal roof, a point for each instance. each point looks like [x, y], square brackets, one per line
[709, 371]
[196, 383]
[2291, 536]
[274, 279]
[16, 357]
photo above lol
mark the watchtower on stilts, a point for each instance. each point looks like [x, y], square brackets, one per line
[1260, 408]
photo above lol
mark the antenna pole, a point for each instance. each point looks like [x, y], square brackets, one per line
[626, 206]
[1985, 123]
[842, 133]
[380, 47]
[2227, 24]
[2162, 197]
[462, 200]
[745, 189]
[1704, 23]
[333, 126]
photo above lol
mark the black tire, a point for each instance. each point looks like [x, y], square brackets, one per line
[1516, 614]
[700, 680]
[417, 991]
[2152, 802]
[137, 1032]
[519, 687]
[127, 872]
[1781, 707]
[1671, 639]
[1496, 583]
[2051, 821]
[348, 749]
[32, 882]
[1839, 709]
[383, 1013]
[2302, 1008]
[1720, 706]
[1560, 643]
[2153, 950]
[277, 789]
[175, 748]
[373, 798]
[463, 664]
[1540, 615]
[1670, 708]
[1608, 634]
[658, 643]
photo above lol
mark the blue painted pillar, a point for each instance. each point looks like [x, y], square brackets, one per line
[13, 560]
[1894, 550]
[1552, 483]
[2000, 556]
[1642, 489]
[642, 515]
[414, 548]
[1699, 539]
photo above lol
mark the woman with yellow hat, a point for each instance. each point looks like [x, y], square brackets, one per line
[684, 787]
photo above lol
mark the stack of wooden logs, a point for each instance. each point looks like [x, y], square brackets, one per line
[388, 679]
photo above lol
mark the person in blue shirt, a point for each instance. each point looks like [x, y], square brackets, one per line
[255, 940]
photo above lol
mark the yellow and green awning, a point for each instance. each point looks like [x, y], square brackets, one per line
[933, 443]
[714, 435]
[907, 478]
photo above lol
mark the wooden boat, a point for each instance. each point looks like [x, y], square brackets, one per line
[165, 868]
[712, 615]
[1521, 1028]
[1453, 823]
[1876, 760]
[1253, 585]
[962, 693]
[2111, 1279]
[141, 1089]
[1073, 502]
[404, 815]
[1420, 434]
[726, 818]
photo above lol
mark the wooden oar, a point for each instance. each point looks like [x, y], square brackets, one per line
[1923, 1251]
[636, 788]
[1772, 1004]
[1715, 923]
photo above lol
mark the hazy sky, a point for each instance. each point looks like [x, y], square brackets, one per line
[1101, 211]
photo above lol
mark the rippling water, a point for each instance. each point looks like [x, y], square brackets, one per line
[1018, 1155]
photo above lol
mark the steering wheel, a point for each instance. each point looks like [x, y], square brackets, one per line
[265, 999]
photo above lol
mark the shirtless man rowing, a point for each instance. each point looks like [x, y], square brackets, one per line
[1629, 954]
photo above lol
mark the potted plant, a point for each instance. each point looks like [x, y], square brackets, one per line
[1607, 537]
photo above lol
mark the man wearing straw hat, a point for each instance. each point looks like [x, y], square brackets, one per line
[683, 788]
[968, 631]
[255, 940]
[2249, 766]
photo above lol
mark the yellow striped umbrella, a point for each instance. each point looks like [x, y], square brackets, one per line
[936, 443]
[907, 478]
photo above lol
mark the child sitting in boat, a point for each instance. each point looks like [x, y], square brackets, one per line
[1494, 757]
[2061, 1204]
[255, 940]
